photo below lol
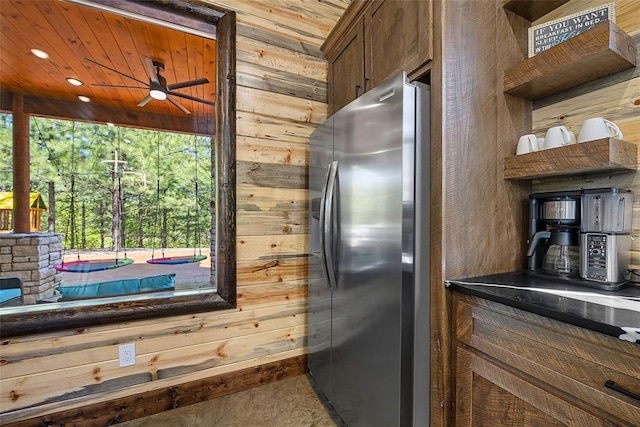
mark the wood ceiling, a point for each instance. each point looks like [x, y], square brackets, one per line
[73, 36]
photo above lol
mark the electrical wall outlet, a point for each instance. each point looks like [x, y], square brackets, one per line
[127, 355]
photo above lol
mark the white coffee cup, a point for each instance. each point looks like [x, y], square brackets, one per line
[597, 128]
[558, 136]
[527, 144]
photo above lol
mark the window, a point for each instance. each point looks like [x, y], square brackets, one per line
[193, 18]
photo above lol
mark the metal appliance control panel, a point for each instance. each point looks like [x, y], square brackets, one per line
[597, 257]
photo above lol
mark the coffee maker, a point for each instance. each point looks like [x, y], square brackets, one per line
[581, 236]
[605, 234]
[554, 233]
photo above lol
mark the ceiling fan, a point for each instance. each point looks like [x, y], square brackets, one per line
[157, 85]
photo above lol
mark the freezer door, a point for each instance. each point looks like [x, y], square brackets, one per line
[374, 147]
[320, 158]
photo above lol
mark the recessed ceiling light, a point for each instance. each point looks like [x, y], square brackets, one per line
[74, 82]
[84, 98]
[40, 53]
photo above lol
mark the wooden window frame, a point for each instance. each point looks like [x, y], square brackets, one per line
[199, 16]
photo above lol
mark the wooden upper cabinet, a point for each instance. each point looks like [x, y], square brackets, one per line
[373, 41]
[398, 37]
[346, 67]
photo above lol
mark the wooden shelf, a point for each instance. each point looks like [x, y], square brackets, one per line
[532, 9]
[598, 52]
[598, 156]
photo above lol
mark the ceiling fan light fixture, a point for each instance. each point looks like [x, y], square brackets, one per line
[73, 81]
[158, 94]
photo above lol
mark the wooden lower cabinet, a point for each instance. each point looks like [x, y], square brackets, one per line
[514, 368]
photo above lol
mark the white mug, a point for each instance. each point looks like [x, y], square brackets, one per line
[558, 136]
[597, 128]
[527, 144]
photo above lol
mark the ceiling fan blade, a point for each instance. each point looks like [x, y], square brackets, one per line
[145, 101]
[121, 86]
[115, 71]
[177, 104]
[151, 69]
[187, 83]
[193, 98]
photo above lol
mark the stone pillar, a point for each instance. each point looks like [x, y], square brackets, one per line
[32, 257]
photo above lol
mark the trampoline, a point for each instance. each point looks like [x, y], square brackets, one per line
[177, 259]
[86, 266]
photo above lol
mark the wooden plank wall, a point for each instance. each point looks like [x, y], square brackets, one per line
[476, 216]
[616, 98]
[281, 99]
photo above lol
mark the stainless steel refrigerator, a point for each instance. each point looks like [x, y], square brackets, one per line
[369, 263]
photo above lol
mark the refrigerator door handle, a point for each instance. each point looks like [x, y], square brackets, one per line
[322, 221]
[329, 237]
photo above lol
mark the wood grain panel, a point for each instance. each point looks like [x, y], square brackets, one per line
[266, 199]
[478, 125]
[619, 103]
[347, 67]
[500, 406]
[602, 155]
[532, 10]
[269, 247]
[271, 271]
[279, 43]
[599, 52]
[150, 340]
[261, 77]
[258, 126]
[295, 20]
[554, 409]
[268, 295]
[103, 377]
[274, 59]
[145, 403]
[195, 326]
[539, 349]
[269, 175]
[259, 150]
[284, 222]
[400, 38]
[470, 150]
[281, 106]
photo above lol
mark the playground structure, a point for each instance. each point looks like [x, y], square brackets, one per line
[37, 207]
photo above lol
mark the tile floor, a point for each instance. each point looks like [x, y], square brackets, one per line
[286, 403]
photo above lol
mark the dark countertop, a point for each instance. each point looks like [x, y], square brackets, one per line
[615, 313]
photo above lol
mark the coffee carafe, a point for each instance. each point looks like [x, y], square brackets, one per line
[554, 233]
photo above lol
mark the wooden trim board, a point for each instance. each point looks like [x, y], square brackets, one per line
[140, 405]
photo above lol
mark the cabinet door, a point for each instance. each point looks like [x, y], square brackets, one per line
[487, 394]
[398, 37]
[346, 68]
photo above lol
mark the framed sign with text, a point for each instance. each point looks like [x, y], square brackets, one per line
[549, 34]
